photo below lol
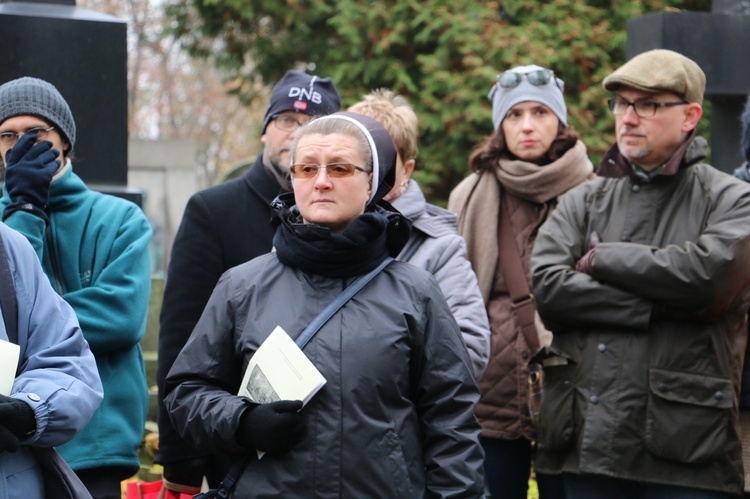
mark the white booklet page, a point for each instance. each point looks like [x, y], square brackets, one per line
[9, 353]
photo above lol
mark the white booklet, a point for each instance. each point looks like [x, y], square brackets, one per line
[9, 353]
[279, 370]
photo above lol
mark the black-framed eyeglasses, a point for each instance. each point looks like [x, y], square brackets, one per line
[10, 138]
[538, 78]
[642, 108]
[286, 123]
[334, 170]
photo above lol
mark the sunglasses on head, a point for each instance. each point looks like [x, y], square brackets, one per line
[538, 78]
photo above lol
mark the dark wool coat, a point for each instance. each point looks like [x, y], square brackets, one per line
[222, 227]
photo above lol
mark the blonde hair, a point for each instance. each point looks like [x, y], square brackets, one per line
[395, 113]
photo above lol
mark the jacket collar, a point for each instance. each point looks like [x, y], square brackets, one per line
[260, 181]
[691, 151]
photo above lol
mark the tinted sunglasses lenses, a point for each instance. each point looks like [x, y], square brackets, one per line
[537, 78]
[509, 80]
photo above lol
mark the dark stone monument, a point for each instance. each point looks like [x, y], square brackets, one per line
[84, 54]
[718, 41]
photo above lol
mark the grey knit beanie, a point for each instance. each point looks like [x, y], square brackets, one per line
[32, 96]
[551, 95]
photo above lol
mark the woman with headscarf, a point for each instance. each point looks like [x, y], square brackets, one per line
[395, 416]
[531, 159]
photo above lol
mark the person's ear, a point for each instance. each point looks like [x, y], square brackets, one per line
[409, 169]
[693, 113]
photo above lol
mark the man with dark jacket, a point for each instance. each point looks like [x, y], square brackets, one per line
[224, 226]
[643, 276]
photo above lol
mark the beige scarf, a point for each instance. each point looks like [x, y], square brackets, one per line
[477, 198]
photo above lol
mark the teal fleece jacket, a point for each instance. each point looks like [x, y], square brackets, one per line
[103, 270]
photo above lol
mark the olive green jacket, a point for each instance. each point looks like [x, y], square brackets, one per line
[652, 341]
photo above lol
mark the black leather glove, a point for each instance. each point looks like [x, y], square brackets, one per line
[187, 473]
[29, 171]
[273, 428]
[17, 421]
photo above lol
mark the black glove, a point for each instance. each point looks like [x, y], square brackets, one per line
[29, 172]
[273, 428]
[17, 421]
[188, 472]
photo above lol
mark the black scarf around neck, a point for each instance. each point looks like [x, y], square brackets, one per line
[312, 248]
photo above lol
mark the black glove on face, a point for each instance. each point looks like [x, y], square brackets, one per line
[273, 428]
[30, 168]
[17, 421]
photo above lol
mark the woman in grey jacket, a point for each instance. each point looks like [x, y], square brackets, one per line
[395, 417]
[434, 244]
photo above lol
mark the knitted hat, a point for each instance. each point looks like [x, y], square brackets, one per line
[35, 97]
[302, 93]
[551, 95]
[660, 70]
[383, 152]
[746, 131]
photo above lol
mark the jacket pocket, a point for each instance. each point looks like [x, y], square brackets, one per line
[557, 414]
[390, 447]
[688, 416]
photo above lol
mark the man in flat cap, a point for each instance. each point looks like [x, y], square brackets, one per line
[643, 276]
[224, 226]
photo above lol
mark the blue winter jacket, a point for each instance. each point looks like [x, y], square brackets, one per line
[98, 260]
[57, 374]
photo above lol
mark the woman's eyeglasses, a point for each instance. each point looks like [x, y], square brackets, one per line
[538, 78]
[334, 170]
[10, 138]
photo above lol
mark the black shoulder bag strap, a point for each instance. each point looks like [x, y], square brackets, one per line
[8, 296]
[227, 484]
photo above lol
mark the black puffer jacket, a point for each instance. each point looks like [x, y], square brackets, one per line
[395, 417]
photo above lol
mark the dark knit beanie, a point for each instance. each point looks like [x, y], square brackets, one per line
[746, 130]
[32, 96]
[302, 93]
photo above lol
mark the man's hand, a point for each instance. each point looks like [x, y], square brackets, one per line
[29, 172]
[586, 263]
